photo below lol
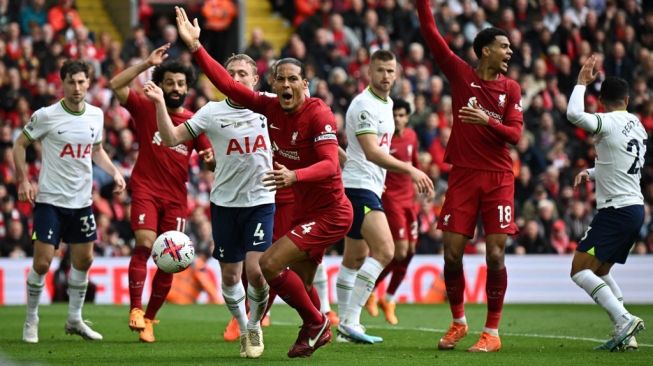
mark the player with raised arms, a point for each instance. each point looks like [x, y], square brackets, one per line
[242, 208]
[303, 135]
[487, 118]
[70, 132]
[158, 181]
[620, 147]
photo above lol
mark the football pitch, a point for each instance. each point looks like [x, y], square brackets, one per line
[192, 335]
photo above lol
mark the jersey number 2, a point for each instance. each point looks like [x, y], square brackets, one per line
[634, 168]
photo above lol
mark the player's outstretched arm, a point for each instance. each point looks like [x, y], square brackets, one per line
[170, 135]
[190, 34]
[102, 159]
[377, 156]
[120, 83]
[26, 191]
[576, 108]
[436, 43]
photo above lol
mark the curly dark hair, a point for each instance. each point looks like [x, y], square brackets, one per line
[173, 66]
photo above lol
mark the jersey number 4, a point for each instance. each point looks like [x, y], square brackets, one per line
[634, 168]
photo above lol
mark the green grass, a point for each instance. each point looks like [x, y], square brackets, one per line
[192, 335]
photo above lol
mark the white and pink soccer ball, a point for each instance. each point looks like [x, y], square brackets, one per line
[173, 251]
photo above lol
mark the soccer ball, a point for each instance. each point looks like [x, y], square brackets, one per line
[173, 251]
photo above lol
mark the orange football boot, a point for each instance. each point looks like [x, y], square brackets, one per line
[487, 343]
[136, 319]
[456, 332]
[372, 306]
[147, 334]
[232, 332]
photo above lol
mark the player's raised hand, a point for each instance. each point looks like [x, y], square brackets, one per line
[120, 184]
[26, 191]
[422, 181]
[474, 115]
[188, 32]
[153, 92]
[587, 73]
[580, 178]
[158, 56]
[209, 158]
[281, 177]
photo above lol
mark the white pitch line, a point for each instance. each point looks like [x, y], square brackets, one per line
[436, 330]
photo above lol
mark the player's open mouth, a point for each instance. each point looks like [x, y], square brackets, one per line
[286, 96]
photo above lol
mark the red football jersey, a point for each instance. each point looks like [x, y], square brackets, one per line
[160, 171]
[294, 137]
[399, 187]
[475, 146]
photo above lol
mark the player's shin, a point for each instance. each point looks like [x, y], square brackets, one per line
[77, 285]
[344, 287]
[363, 287]
[234, 298]
[321, 286]
[35, 284]
[495, 288]
[257, 299]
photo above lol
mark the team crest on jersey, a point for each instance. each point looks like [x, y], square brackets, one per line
[446, 219]
[519, 106]
[502, 100]
[328, 128]
[293, 140]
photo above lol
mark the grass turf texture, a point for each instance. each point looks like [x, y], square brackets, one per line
[192, 335]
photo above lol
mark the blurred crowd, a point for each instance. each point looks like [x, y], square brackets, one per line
[550, 39]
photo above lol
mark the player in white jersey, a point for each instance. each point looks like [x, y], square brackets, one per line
[242, 209]
[70, 132]
[620, 146]
[369, 127]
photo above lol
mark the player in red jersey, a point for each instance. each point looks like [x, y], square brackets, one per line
[303, 135]
[487, 117]
[398, 204]
[158, 181]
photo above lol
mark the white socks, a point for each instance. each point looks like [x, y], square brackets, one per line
[234, 298]
[321, 283]
[258, 301]
[344, 288]
[363, 287]
[77, 284]
[601, 293]
[35, 284]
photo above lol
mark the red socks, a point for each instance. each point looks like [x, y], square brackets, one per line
[495, 288]
[137, 274]
[398, 274]
[160, 287]
[455, 282]
[291, 289]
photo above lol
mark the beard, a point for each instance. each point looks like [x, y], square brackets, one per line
[174, 103]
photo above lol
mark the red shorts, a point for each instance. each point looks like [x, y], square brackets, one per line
[156, 214]
[315, 233]
[402, 221]
[282, 219]
[472, 191]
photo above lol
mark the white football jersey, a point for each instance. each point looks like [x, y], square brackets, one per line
[67, 139]
[242, 152]
[368, 113]
[620, 147]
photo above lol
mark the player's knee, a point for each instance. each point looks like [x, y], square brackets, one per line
[494, 260]
[230, 279]
[400, 253]
[268, 267]
[82, 262]
[41, 266]
[384, 255]
[453, 259]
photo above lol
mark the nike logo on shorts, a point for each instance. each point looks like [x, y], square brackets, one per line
[474, 85]
[503, 226]
[258, 243]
